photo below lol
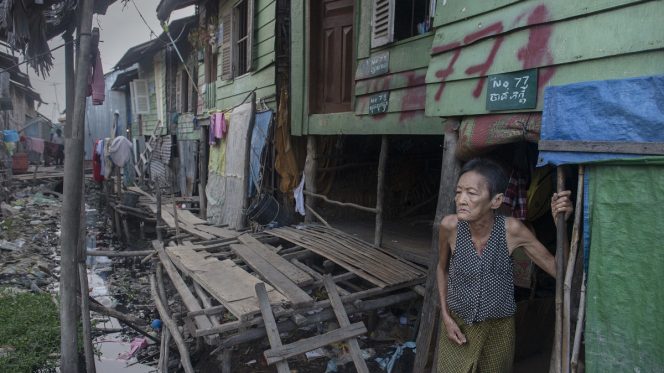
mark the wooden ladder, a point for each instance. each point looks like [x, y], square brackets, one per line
[146, 155]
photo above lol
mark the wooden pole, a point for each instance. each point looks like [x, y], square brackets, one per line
[310, 171]
[85, 319]
[162, 366]
[158, 217]
[430, 307]
[579, 326]
[172, 328]
[73, 192]
[202, 173]
[380, 190]
[333, 202]
[571, 265]
[561, 233]
[247, 162]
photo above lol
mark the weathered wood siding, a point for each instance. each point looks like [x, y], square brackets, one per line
[567, 41]
[146, 70]
[262, 77]
[405, 80]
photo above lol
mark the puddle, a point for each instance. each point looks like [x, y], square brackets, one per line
[112, 346]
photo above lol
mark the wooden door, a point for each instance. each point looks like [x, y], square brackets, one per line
[332, 46]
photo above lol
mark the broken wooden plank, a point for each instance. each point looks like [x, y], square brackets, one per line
[217, 231]
[342, 318]
[294, 273]
[295, 295]
[188, 298]
[270, 324]
[224, 280]
[277, 354]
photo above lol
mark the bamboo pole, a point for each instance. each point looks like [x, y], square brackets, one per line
[73, 192]
[317, 215]
[172, 328]
[571, 265]
[247, 162]
[561, 233]
[158, 217]
[380, 190]
[579, 326]
[333, 202]
[203, 170]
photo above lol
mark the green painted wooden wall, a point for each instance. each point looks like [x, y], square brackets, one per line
[263, 76]
[566, 40]
[408, 62]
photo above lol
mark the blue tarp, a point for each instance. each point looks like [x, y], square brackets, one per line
[629, 110]
[10, 136]
[258, 138]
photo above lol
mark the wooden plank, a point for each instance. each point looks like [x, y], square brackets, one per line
[645, 148]
[188, 298]
[294, 273]
[401, 55]
[295, 295]
[400, 100]
[347, 123]
[265, 31]
[451, 11]
[224, 280]
[270, 324]
[277, 354]
[391, 82]
[298, 121]
[343, 320]
[217, 231]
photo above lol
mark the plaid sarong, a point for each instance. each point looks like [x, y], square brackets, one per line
[489, 347]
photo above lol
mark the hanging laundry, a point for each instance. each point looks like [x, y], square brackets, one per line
[97, 174]
[516, 195]
[211, 131]
[35, 144]
[10, 136]
[96, 84]
[298, 193]
[120, 151]
[220, 128]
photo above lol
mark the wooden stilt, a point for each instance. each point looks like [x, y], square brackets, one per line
[380, 190]
[571, 265]
[158, 217]
[431, 305]
[172, 328]
[164, 351]
[85, 319]
[310, 171]
[202, 172]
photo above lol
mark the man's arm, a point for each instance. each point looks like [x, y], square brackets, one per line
[447, 227]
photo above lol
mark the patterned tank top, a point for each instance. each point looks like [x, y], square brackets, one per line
[481, 287]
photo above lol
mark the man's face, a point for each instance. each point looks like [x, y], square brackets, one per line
[473, 199]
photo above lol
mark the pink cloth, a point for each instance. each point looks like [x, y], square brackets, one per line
[35, 144]
[218, 127]
[96, 84]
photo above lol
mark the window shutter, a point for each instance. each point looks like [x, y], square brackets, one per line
[382, 22]
[141, 96]
[250, 34]
[226, 47]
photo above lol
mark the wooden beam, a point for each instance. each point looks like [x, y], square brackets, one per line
[561, 237]
[342, 318]
[172, 328]
[270, 324]
[281, 282]
[277, 354]
[380, 190]
[431, 305]
[294, 273]
[188, 298]
[310, 172]
[644, 148]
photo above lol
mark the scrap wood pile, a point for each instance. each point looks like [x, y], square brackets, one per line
[244, 288]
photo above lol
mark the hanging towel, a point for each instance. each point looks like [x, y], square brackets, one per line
[220, 126]
[213, 124]
[516, 195]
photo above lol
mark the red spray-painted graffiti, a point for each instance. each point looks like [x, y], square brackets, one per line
[535, 53]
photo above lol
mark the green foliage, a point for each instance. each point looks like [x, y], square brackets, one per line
[29, 332]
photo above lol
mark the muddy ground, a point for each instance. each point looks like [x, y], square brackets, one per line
[29, 261]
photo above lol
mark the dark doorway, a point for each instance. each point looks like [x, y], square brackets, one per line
[331, 69]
